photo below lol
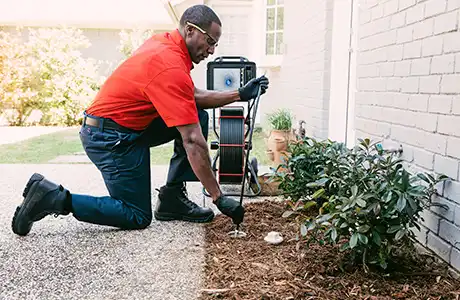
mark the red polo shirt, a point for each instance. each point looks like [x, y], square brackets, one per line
[154, 81]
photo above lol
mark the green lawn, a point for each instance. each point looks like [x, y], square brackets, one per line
[41, 149]
[44, 148]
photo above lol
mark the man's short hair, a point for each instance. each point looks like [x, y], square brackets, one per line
[200, 15]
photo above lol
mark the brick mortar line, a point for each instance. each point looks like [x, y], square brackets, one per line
[412, 127]
[360, 39]
[415, 77]
[409, 42]
[405, 11]
[405, 25]
[449, 114]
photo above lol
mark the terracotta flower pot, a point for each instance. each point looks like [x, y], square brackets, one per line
[270, 154]
[281, 144]
[277, 135]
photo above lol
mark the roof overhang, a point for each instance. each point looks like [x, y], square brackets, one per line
[118, 14]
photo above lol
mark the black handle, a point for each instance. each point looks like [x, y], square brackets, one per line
[240, 58]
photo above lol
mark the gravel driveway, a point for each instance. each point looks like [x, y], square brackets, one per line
[64, 258]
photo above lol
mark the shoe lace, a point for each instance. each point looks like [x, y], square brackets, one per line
[184, 197]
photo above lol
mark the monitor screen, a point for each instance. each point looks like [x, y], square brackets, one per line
[227, 79]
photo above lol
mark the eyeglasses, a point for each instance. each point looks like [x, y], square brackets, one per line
[210, 40]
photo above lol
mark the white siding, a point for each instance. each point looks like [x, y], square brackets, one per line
[302, 83]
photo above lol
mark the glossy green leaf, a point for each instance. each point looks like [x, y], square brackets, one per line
[361, 202]
[400, 234]
[393, 228]
[318, 193]
[324, 218]
[443, 177]
[363, 238]
[322, 181]
[344, 247]
[401, 204]
[354, 240]
[412, 203]
[303, 230]
[376, 238]
[416, 192]
[311, 226]
[344, 225]
[346, 207]
[363, 228]
[423, 177]
[405, 180]
[388, 196]
[354, 190]
[309, 204]
[312, 184]
[334, 234]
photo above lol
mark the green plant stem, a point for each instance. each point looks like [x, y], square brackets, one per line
[365, 267]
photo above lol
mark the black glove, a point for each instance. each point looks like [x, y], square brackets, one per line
[231, 208]
[250, 89]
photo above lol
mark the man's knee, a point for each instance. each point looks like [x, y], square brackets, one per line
[141, 221]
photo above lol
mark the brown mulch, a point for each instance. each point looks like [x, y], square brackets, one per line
[250, 268]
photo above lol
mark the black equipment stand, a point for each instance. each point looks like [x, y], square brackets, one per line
[234, 140]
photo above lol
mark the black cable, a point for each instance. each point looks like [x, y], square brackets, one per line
[231, 145]
[251, 131]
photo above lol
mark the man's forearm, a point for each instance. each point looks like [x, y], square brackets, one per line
[213, 99]
[198, 156]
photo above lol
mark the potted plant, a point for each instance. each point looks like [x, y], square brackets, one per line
[280, 134]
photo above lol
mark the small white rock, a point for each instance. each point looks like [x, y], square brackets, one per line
[273, 238]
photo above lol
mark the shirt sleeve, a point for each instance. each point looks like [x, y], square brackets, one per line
[172, 92]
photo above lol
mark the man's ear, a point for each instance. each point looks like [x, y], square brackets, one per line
[188, 30]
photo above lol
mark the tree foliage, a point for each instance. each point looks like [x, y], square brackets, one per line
[46, 72]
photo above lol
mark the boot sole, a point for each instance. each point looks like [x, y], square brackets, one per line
[20, 209]
[176, 217]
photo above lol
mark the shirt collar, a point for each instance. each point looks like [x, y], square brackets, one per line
[179, 40]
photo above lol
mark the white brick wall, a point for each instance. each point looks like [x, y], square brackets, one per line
[409, 93]
[302, 83]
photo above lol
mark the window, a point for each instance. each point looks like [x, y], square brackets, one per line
[274, 25]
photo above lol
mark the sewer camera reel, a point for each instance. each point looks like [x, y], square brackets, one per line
[234, 140]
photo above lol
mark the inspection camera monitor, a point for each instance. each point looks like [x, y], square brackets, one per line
[235, 122]
[228, 73]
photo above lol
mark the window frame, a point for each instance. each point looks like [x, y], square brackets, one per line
[272, 59]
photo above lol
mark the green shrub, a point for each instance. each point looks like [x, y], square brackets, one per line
[365, 195]
[132, 39]
[307, 164]
[280, 119]
[47, 72]
[68, 82]
[18, 87]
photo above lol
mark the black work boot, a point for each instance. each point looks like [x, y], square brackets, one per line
[173, 204]
[231, 208]
[41, 198]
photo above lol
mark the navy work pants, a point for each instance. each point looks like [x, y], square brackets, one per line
[123, 159]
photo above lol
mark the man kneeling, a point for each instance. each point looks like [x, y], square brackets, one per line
[147, 101]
